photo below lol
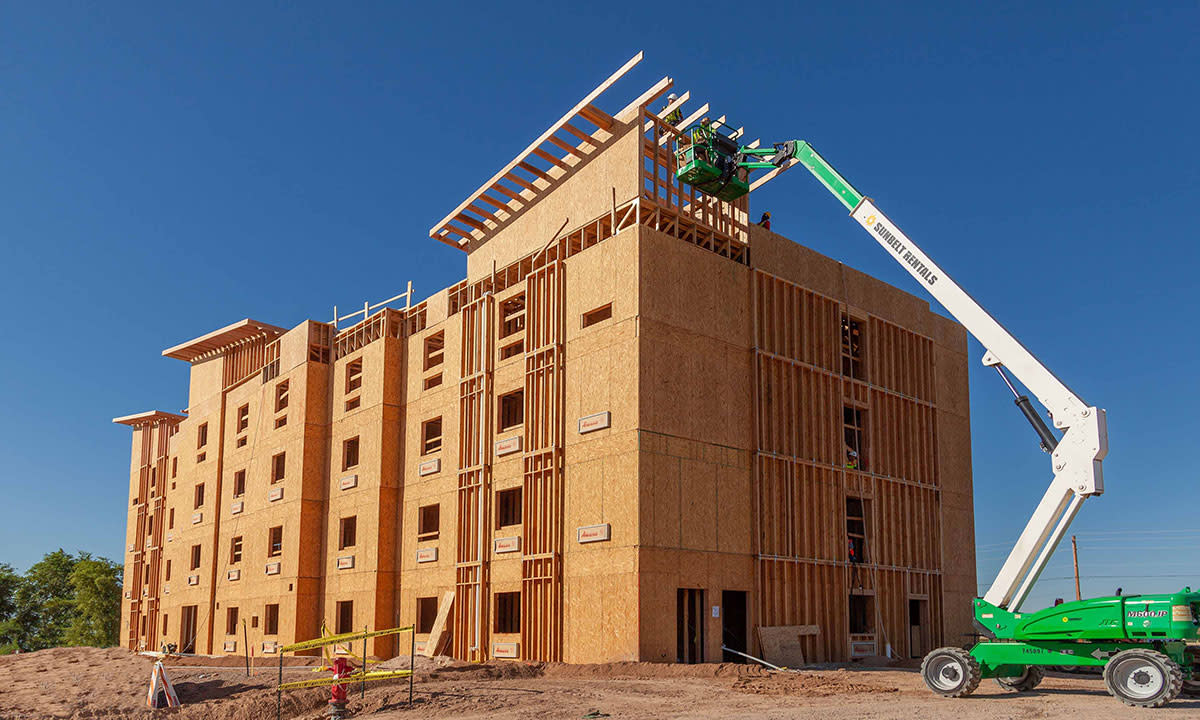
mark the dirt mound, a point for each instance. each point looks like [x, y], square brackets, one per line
[651, 671]
[804, 684]
[93, 683]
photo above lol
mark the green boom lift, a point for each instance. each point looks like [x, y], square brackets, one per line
[1139, 641]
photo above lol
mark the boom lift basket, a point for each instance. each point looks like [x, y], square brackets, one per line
[710, 161]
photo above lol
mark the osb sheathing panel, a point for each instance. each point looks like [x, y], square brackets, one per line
[588, 193]
[693, 334]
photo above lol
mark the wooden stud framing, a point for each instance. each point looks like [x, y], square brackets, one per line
[803, 477]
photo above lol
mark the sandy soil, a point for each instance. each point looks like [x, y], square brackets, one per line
[78, 683]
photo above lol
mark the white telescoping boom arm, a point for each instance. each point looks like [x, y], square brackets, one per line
[1076, 457]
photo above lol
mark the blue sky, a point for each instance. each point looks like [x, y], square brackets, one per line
[166, 169]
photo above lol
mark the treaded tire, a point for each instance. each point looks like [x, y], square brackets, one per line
[1026, 681]
[1143, 678]
[1191, 688]
[950, 672]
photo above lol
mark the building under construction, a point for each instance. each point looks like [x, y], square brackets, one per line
[641, 428]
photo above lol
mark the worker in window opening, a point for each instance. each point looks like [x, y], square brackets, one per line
[765, 220]
[676, 115]
[851, 459]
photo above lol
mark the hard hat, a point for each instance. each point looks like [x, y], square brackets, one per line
[767, 214]
[672, 98]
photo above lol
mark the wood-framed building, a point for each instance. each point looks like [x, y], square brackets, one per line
[640, 428]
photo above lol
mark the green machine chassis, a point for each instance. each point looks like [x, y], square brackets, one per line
[1140, 641]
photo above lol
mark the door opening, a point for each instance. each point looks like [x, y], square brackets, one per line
[733, 624]
[689, 625]
[187, 630]
[917, 611]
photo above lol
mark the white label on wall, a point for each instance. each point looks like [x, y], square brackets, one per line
[193, 579]
[592, 423]
[273, 568]
[594, 533]
[197, 518]
[716, 611]
[230, 646]
[425, 555]
[270, 647]
[236, 507]
[507, 544]
[506, 650]
[275, 494]
[234, 574]
[429, 467]
[350, 481]
[345, 562]
[508, 446]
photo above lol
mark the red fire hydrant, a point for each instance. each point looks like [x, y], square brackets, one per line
[337, 692]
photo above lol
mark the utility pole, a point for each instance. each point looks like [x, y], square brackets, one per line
[1075, 553]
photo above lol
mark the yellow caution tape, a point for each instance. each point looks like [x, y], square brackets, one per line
[356, 678]
[344, 637]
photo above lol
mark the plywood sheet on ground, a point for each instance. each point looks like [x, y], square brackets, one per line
[781, 644]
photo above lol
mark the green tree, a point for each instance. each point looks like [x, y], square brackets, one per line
[45, 603]
[10, 580]
[97, 620]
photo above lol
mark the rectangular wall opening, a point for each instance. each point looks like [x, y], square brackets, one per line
[345, 616]
[348, 532]
[512, 410]
[852, 348]
[689, 625]
[187, 629]
[856, 529]
[512, 316]
[508, 612]
[431, 436]
[427, 608]
[862, 615]
[508, 507]
[918, 613]
[854, 436]
[428, 521]
[734, 624]
[599, 315]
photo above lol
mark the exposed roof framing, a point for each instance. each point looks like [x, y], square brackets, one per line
[217, 340]
[558, 150]
[148, 418]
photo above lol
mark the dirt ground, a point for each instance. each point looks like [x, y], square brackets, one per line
[79, 683]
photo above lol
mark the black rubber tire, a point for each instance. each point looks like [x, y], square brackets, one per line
[950, 672]
[1191, 688]
[1026, 681]
[1158, 669]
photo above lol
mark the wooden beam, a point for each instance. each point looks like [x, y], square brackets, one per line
[534, 171]
[551, 159]
[456, 231]
[647, 97]
[498, 203]
[586, 137]
[771, 174]
[466, 219]
[577, 152]
[456, 244]
[509, 193]
[597, 117]
[517, 179]
[587, 100]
